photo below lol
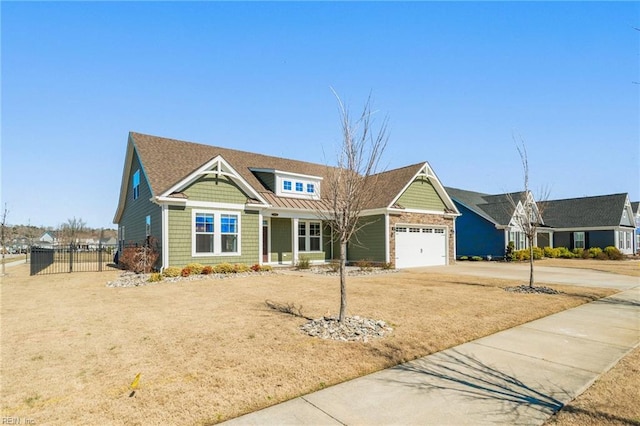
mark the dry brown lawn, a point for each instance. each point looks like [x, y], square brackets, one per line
[211, 350]
[623, 267]
[612, 400]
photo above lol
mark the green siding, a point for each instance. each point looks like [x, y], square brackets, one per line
[135, 211]
[370, 242]
[421, 195]
[281, 248]
[181, 234]
[216, 189]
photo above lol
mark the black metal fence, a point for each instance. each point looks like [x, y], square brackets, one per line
[71, 258]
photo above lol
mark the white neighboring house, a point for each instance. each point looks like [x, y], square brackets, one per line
[47, 240]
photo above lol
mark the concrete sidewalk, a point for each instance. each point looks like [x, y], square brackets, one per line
[518, 376]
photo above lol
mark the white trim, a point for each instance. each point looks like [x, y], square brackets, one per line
[221, 168]
[217, 234]
[294, 240]
[436, 212]
[165, 235]
[281, 172]
[387, 239]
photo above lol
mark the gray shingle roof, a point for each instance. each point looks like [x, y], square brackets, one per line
[597, 211]
[497, 209]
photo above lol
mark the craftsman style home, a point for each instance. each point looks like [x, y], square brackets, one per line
[211, 205]
[599, 221]
[488, 223]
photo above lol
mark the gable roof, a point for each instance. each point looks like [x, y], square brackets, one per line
[585, 212]
[635, 206]
[167, 162]
[497, 209]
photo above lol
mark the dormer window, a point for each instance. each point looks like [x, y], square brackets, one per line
[286, 185]
[299, 186]
[310, 188]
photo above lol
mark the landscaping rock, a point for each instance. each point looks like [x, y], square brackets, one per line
[531, 290]
[353, 329]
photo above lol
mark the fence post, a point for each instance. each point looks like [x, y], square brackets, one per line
[71, 257]
[100, 257]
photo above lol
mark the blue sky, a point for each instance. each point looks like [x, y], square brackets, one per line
[456, 80]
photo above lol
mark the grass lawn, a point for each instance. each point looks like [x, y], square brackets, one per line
[211, 350]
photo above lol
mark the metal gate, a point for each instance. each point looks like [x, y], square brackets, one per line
[71, 258]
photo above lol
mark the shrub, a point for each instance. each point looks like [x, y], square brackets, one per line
[551, 252]
[564, 253]
[303, 263]
[171, 272]
[223, 268]
[261, 268]
[521, 255]
[196, 268]
[155, 277]
[508, 253]
[138, 259]
[207, 270]
[613, 253]
[579, 252]
[239, 268]
[334, 265]
[185, 272]
[364, 265]
[387, 265]
[463, 258]
[594, 252]
[538, 253]
[476, 258]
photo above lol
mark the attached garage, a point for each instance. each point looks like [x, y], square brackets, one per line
[420, 245]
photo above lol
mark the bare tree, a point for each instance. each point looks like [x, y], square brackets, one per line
[527, 213]
[3, 235]
[350, 187]
[72, 229]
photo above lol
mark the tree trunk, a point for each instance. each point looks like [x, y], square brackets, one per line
[343, 281]
[531, 265]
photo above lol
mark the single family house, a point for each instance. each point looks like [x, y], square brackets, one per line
[488, 223]
[599, 221]
[210, 205]
[635, 207]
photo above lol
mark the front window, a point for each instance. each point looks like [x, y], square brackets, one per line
[229, 233]
[309, 236]
[578, 240]
[204, 233]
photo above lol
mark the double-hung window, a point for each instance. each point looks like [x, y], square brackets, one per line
[309, 236]
[578, 240]
[135, 184]
[216, 233]
[204, 231]
[229, 233]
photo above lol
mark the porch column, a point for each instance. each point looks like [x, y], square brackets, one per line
[260, 245]
[294, 242]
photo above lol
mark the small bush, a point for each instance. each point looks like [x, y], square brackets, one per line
[551, 252]
[364, 265]
[196, 268]
[565, 253]
[463, 258]
[171, 272]
[185, 272]
[303, 263]
[387, 265]
[613, 253]
[223, 268]
[239, 268]
[207, 270]
[579, 252]
[155, 277]
[476, 258]
[138, 259]
[594, 252]
[334, 265]
[538, 253]
[261, 268]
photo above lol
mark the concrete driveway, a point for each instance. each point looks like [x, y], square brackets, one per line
[542, 274]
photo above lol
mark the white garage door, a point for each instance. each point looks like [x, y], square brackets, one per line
[419, 245]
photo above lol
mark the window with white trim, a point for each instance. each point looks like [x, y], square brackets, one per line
[216, 233]
[286, 185]
[299, 186]
[147, 225]
[309, 236]
[578, 240]
[135, 184]
[311, 188]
